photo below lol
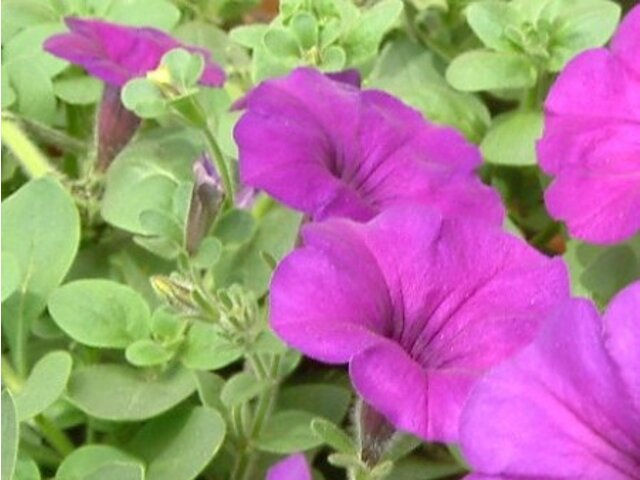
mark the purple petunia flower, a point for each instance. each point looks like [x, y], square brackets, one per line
[419, 306]
[294, 467]
[118, 53]
[566, 407]
[321, 145]
[591, 143]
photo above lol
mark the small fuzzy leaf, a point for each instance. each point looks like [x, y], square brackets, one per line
[479, 70]
[46, 383]
[100, 313]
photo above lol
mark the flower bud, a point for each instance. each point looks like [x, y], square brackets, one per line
[116, 126]
[206, 199]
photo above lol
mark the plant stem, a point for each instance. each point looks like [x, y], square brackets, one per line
[56, 437]
[33, 161]
[221, 165]
[245, 459]
[47, 134]
[10, 377]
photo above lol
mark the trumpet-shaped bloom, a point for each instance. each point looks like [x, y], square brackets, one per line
[591, 143]
[117, 53]
[294, 467]
[419, 306]
[566, 407]
[321, 145]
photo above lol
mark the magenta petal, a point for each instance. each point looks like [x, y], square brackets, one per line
[591, 142]
[381, 374]
[293, 467]
[117, 53]
[329, 149]
[441, 300]
[622, 336]
[318, 304]
[557, 410]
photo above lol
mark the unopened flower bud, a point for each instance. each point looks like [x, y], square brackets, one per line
[177, 293]
[206, 199]
[116, 126]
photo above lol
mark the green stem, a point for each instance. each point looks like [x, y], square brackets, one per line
[33, 161]
[10, 377]
[41, 454]
[48, 134]
[56, 437]
[266, 400]
[221, 165]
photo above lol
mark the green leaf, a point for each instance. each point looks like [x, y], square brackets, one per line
[30, 69]
[146, 176]
[41, 229]
[88, 462]
[322, 400]
[120, 393]
[511, 140]
[100, 313]
[8, 93]
[185, 68]
[118, 471]
[241, 388]
[162, 224]
[305, 28]
[276, 234]
[165, 325]
[250, 36]
[26, 48]
[235, 226]
[46, 383]
[147, 353]
[180, 444]
[209, 387]
[408, 71]
[161, 14]
[10, 435]
[281, 43]
[208, 253]
[579, 25]
[362, 43]
[333, 436]
[599, 272]
[479, 70]
[144, 98]
[488, 20]
[287, 432]
[26, 469]
[205, 349]
[421, 469]
[78, 90]
[11, 274]
[334, 58]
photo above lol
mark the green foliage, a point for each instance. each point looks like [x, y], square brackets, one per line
[178, 445]
[511, 139]
[46, 383]
[119, 393]
[10, 436]
[599, 272]
[41, 232]
[288, 431]
[331, 35]
[524, 39]
[100, 313]
[414, 74]
[92, 462]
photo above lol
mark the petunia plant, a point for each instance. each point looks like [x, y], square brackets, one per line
[320, 240]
